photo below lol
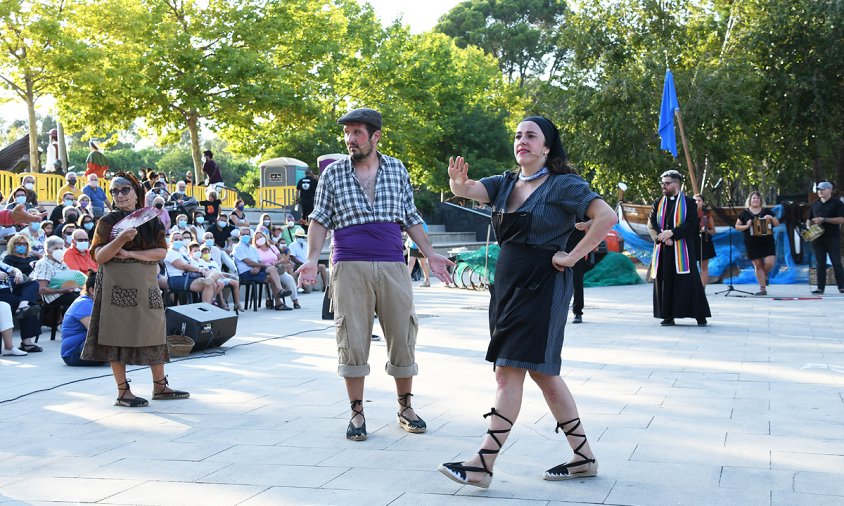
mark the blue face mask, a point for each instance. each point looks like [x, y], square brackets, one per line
[183, 223]
[177, 244]
[88, 226]
[35, 226]
[209, 242]
[199, 220]
[20, 249]
[20, 199]
[245, 239]
[68, 203]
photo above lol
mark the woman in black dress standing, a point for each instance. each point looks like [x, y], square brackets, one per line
[534, 211]
[127, 322]
[704, 246]
[761, 249]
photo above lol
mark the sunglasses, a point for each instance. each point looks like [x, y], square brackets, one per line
[120, 191]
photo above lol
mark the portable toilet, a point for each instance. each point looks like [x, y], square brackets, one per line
[326, 160]
[282, 171]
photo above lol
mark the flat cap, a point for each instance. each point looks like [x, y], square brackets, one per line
[825, 185]
[362, 115]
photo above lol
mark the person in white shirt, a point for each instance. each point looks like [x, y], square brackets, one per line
[223, 279]
[184, 276]
[35, 235]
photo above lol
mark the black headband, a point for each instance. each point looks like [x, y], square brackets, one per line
[552, 136]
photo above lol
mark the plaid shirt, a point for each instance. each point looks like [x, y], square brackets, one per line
[341, 202]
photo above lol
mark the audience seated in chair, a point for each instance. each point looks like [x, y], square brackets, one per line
[51, 269]
[251, 270]
[78, 256]
[184, 276]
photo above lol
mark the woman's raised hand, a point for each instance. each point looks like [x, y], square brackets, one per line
[458, 170]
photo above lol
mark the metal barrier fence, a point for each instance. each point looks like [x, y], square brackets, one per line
[47, 187]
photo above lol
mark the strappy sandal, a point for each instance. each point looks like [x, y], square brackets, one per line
[561, 472]
[417, 426]
[356, 433]
[163, 395]
[456, 471]
[135, 402]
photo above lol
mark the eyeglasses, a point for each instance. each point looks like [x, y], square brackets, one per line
[666, 183]
[122, 191]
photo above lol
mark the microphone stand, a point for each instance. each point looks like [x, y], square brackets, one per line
[732, 226]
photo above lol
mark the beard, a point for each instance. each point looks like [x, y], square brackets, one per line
[360, 153]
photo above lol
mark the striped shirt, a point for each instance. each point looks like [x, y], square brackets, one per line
[555, 206]
[341, 202]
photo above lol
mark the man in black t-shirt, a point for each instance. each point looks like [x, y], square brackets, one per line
[306, 189]
[221, 230]
[828, 213]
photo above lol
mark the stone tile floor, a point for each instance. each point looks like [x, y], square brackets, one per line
[748, 411]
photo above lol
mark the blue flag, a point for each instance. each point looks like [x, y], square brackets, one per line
[666, 115]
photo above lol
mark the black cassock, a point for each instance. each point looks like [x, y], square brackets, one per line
[678, 295]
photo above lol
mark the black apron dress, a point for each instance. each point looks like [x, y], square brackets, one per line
[528, 302]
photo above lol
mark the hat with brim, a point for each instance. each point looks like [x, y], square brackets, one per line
[301, 233]
[362, 115]
[824, 185]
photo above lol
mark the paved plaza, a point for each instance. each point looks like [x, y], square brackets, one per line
[746, 411]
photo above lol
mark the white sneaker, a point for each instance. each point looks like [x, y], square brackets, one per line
[14, 352]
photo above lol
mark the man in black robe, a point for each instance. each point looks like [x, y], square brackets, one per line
[678, 291]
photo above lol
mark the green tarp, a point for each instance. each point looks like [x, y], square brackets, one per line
[613, 270]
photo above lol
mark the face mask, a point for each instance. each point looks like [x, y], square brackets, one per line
[199, 220]
[221, 223]
[209, 242]
[93, 184]
[176, 244]
[261, 241]
[195, 254]
[29, 186]
[20, 199]
[82, 246]
[71, 182]
[68, 202]
[83, 204]
[159, 206]
[267, 223]
[206, 257]
[58, 255]
[282, 244]
[35, 226]
[183, 223]
[290, 223]
[245, 239]
[300, 240]
[88, 226]
[68, 239]
[240, 208]
[20, 249]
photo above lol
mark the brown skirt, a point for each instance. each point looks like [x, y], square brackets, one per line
[136, 339]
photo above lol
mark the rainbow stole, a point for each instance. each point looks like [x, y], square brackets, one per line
[681, 249]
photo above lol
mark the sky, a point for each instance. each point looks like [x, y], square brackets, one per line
[420, 15]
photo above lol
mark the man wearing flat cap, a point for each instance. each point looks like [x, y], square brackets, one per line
[827, 212]
[367, 200]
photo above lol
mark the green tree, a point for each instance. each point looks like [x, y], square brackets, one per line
[35, 53]
[521, 34]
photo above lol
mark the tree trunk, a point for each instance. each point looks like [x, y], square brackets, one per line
[193, 128]
[34, 158]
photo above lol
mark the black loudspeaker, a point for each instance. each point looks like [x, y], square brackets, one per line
[209, 326]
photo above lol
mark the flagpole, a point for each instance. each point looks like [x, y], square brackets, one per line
[686, 151]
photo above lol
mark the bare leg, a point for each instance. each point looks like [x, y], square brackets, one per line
[411, 261]
[563, 408]
[354, 388]
[8, 343]
[426, 271]
[405, 386]
[759, 270]
[275, 284]
[508, 402]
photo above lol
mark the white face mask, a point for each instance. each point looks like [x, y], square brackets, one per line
[82, 246]
[300, 240]
[58, 254]
[29, 186]
[260, 241]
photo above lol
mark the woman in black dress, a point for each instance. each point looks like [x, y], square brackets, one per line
[534, 211]
[127, 322]
[761, 249]
[704, 246]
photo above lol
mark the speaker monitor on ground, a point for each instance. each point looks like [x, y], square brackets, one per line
[208, 325]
